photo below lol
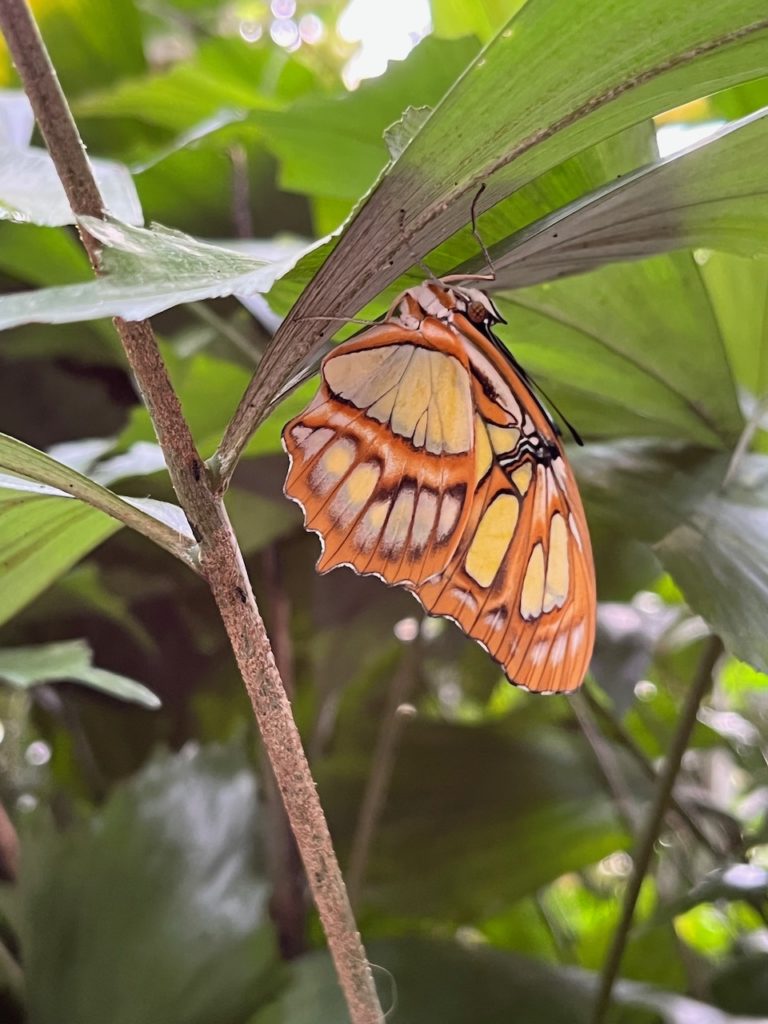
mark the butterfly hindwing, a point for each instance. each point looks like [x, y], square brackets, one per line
[521, 582]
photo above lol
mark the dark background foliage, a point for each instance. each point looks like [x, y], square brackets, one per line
[155, 880]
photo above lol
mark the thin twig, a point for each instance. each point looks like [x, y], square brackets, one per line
[382, 766]
[644, 852]
[751, 427]
[241, 192]
[221, 561]
[9, 848]
[606, 761]
[226, 330]
[624, 737]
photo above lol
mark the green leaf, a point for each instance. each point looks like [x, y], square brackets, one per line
[445, 809]
[90, 590]
[82, 38]
[563, 75]
[70, 661]
[164, 523]
[713, 540]
[223, 74]
[399, 134]
[41, 537]
[172, 858]
[738, 289]
[31, 191]
[334, 147]
[432, 982]
[42, 256]
[454, 18]
[618, 364]
[709, 195]
[147, 271]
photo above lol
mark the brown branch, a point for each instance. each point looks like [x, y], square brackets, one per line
[382, 766]
[220, 558]
[644, 851]
[288, 898]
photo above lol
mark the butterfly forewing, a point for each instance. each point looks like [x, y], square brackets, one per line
[382, 460]
[426, 459]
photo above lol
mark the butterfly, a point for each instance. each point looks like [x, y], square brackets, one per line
[426, 459]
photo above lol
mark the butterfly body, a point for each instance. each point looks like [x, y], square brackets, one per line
[426, 459]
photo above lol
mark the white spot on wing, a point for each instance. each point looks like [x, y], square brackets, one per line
[577, 638]
[558, 649]
[538, 652]
[575, 530]
[449, 514]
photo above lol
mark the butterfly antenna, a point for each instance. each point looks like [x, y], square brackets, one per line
[573, 431]
[337, 320]
[473, 215]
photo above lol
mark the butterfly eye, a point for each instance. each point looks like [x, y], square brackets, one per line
[477, 312]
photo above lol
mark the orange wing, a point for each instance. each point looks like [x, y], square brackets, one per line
[382, 459]
[426, 460]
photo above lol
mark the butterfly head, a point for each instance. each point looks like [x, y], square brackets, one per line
[443, 300]
[478, 308]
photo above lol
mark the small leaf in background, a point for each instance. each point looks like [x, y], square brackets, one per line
[173, 855]
[147, 271]
[163, 522]
[458, 803]
[30, 190]
[42, 535]
[447, 983]
[712, 539]
[69, 661]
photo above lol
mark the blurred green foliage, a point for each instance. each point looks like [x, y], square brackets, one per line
[494, 881]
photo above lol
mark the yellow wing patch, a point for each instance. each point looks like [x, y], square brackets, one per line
[492, 539]
[421, 395]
